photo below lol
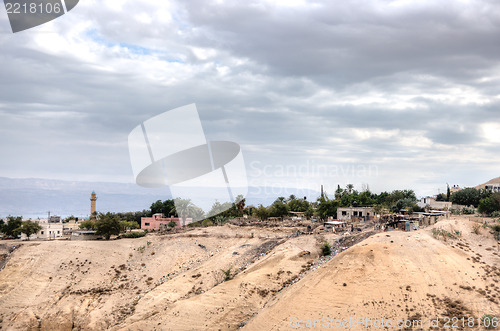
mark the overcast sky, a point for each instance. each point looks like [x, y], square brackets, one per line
[393, 94]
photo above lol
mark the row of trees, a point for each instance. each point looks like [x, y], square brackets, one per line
[486, 201]
[469, 197]
[15, 226]
[490, 205]
[109, 224]
[324, 206]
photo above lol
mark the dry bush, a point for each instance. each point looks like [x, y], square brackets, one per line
[218, 276]
[476, 228]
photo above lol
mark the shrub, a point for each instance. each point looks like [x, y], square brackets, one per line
[227, 274]
[476, 228]
[436, 233]
[194, 224]
[496, 231]
[468, 211]
[326, 249]
[206, 223]
[134, 234]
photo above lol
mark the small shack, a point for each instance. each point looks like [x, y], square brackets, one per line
[334, 226]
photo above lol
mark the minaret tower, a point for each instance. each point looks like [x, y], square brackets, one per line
[93, 199]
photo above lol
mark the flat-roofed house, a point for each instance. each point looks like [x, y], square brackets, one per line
[355, 213]
[153, 222]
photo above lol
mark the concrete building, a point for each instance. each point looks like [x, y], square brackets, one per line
[48, 231]
[54, 219]
[51, 231]
[153, 223]
[454, 189]
[359, 213]
[431, 203]
[492, 187]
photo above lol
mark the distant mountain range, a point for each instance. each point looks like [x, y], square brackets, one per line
[34, 197]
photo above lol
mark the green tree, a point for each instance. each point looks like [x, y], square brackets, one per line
[338, 192]
[87, 225]
[29, 228]
[183, 207]
[310, 211]
[441, 197]
[397, 195]
[240, 204]
[469, 196]
[279, 208]
[219, 208]
[402, 204]
[166, 208]
[326, 208]
[261, 212]
[69, 218]
[298, 205]
[13, 223]
[128, 225]
[107, 225]
[172, 224]
[490, 204]
[349, 188]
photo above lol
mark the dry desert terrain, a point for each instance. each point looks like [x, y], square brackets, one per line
[279, 281]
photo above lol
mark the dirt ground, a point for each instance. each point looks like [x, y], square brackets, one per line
[278, 280]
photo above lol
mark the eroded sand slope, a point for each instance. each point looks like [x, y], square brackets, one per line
[175, 282]
[396, 276]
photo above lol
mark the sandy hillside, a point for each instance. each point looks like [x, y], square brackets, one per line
[175, 282]
[396, 276]
[157, 280]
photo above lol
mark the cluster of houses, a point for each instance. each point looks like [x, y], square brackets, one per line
[349, 217]
[54, 228]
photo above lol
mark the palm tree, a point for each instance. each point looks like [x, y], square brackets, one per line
[349, 188]
[338, 192]
[183, 207]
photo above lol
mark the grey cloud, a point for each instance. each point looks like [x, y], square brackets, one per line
[280, 62]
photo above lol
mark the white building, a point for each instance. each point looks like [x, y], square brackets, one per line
[492, 187]
[48, 231]
[348, 213]
[431, 203]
